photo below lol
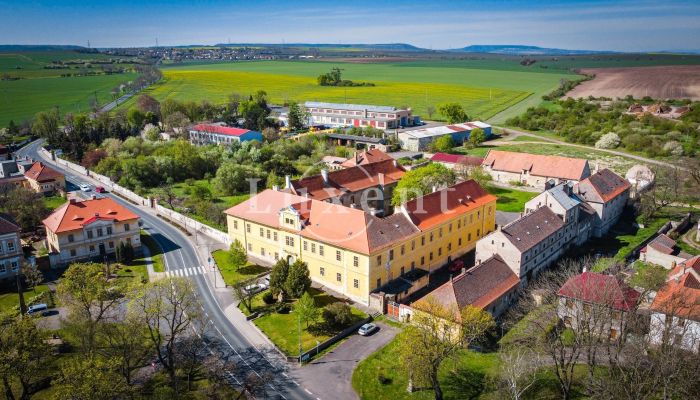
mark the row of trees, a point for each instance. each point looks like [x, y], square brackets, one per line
[113, 347]
[587, 122]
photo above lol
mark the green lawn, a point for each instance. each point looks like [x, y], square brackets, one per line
[510, 200]
[628, 233]
[54, 201]
[283, 329]
[155, 251]
[233, 275]
[463, 378]
[9, 299]
[483, 92]
[137, 270]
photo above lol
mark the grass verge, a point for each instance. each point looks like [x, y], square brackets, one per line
[155, 250]
[234, 275]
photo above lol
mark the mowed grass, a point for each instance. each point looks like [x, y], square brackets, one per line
[21, 99]
[482, 92]
[234, 275]
[510, 200]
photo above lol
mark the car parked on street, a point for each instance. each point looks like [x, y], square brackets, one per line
[367, 329]
[84, 187]
[99, 189]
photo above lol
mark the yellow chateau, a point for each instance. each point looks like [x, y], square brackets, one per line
[354, 253]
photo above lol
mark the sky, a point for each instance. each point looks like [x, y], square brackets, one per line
[588, 25]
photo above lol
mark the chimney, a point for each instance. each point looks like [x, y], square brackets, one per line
[276, 188]
[72, 201]
[94, 197]
[499, 228]
[463, 270]
[287, 181]
[435, 188]
[354, 156]
[585, 268]
[396, 164]
[324, 174]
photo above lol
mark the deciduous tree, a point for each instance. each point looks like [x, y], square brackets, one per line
[298, 280]
[452, 112]
[306, 309]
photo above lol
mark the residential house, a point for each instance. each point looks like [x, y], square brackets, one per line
[44, 179]
[359, 115]
[88, 229]
[421, 139]
[527, 245]
[491, 286]
[353, 252]
[534, 169]
[10, 247]
[576, 214]
[596, 302]
[675, 311]
[368, 186]
[203, 134]
[366, 157]
[662, 251]
[607, 193]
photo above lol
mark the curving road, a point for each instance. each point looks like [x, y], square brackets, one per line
[182, 259]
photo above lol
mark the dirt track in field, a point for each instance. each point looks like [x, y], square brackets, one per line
[664, 82]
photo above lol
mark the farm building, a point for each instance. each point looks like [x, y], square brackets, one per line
[420, 139]
[203, 134]
[367, 142]
[360, 115]
[456, 160]
[534, 169]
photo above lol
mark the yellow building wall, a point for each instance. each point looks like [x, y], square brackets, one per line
[371, 269]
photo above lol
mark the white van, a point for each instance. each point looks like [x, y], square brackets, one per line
[37, 308]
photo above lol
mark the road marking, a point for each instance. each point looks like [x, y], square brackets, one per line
[308, 391]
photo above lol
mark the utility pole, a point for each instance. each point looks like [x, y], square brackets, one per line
[22, 304]
[299, 329]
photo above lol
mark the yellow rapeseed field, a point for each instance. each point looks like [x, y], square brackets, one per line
[215, 86]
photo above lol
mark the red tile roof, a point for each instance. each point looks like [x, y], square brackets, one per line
[592, 287]
[479, 286]
[456, 159]
[663, 244]
[75, 215]
[40, 172]
[7, 224]
[680, 296]
[351, 179]
[602, 187]
[222, 130]
[536, 164]
[366, 157]
[532, 229]
[330, 223]
[442, 205]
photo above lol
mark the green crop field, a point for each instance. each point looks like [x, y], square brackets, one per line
[41, 88]
[482, 92]
[21, 99]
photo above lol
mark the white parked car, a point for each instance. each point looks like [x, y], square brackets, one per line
[255, 288]
[367, 329]
[84, 187]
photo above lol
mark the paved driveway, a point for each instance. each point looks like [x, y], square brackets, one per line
[329, 377]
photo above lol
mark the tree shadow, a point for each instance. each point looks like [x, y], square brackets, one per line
[166, 245]
[463, 383]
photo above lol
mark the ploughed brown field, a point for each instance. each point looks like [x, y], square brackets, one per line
[663, 82]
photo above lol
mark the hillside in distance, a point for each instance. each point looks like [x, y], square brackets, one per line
[516, 49]
[361, 46]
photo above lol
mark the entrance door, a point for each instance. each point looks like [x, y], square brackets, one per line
[103, 251]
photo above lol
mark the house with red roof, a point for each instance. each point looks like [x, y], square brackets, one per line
[90, 229]
[368, 185]
[44, 179]
[203, 134]
[534, 169]
[490, 285]
[675, 311]
[596, 302]
[10, 247]
[607, 193]
[354, 252]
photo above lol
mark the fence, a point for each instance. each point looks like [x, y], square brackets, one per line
[174, 216]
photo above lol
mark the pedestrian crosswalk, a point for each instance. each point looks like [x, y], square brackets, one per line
[184, 272]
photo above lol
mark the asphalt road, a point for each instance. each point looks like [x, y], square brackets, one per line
[329, 377]
[182, 260]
